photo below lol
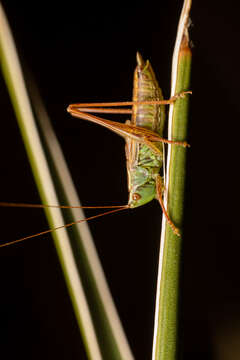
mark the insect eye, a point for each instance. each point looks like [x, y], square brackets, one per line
[136, 196]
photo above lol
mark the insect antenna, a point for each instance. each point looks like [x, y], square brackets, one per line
[116, 209]
[42, 206]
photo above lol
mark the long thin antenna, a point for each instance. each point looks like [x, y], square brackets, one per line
[63, 226]
[42, 206]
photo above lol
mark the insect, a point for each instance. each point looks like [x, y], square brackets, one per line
[143, 136]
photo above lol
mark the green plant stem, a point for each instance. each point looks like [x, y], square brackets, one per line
[167, 310]
[173, 243]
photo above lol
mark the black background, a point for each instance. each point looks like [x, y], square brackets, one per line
[83, 52]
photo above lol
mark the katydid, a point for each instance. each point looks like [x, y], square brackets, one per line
[144, 142]
[143, 135]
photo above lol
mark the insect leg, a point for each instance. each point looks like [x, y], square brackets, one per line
[159, 190]
[102, 107]
[105, 107]
[155, 149]
[119, 128]
[139, 134]
[99, 108]
[156, 138]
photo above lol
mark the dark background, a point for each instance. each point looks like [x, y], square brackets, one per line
[83, 52]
